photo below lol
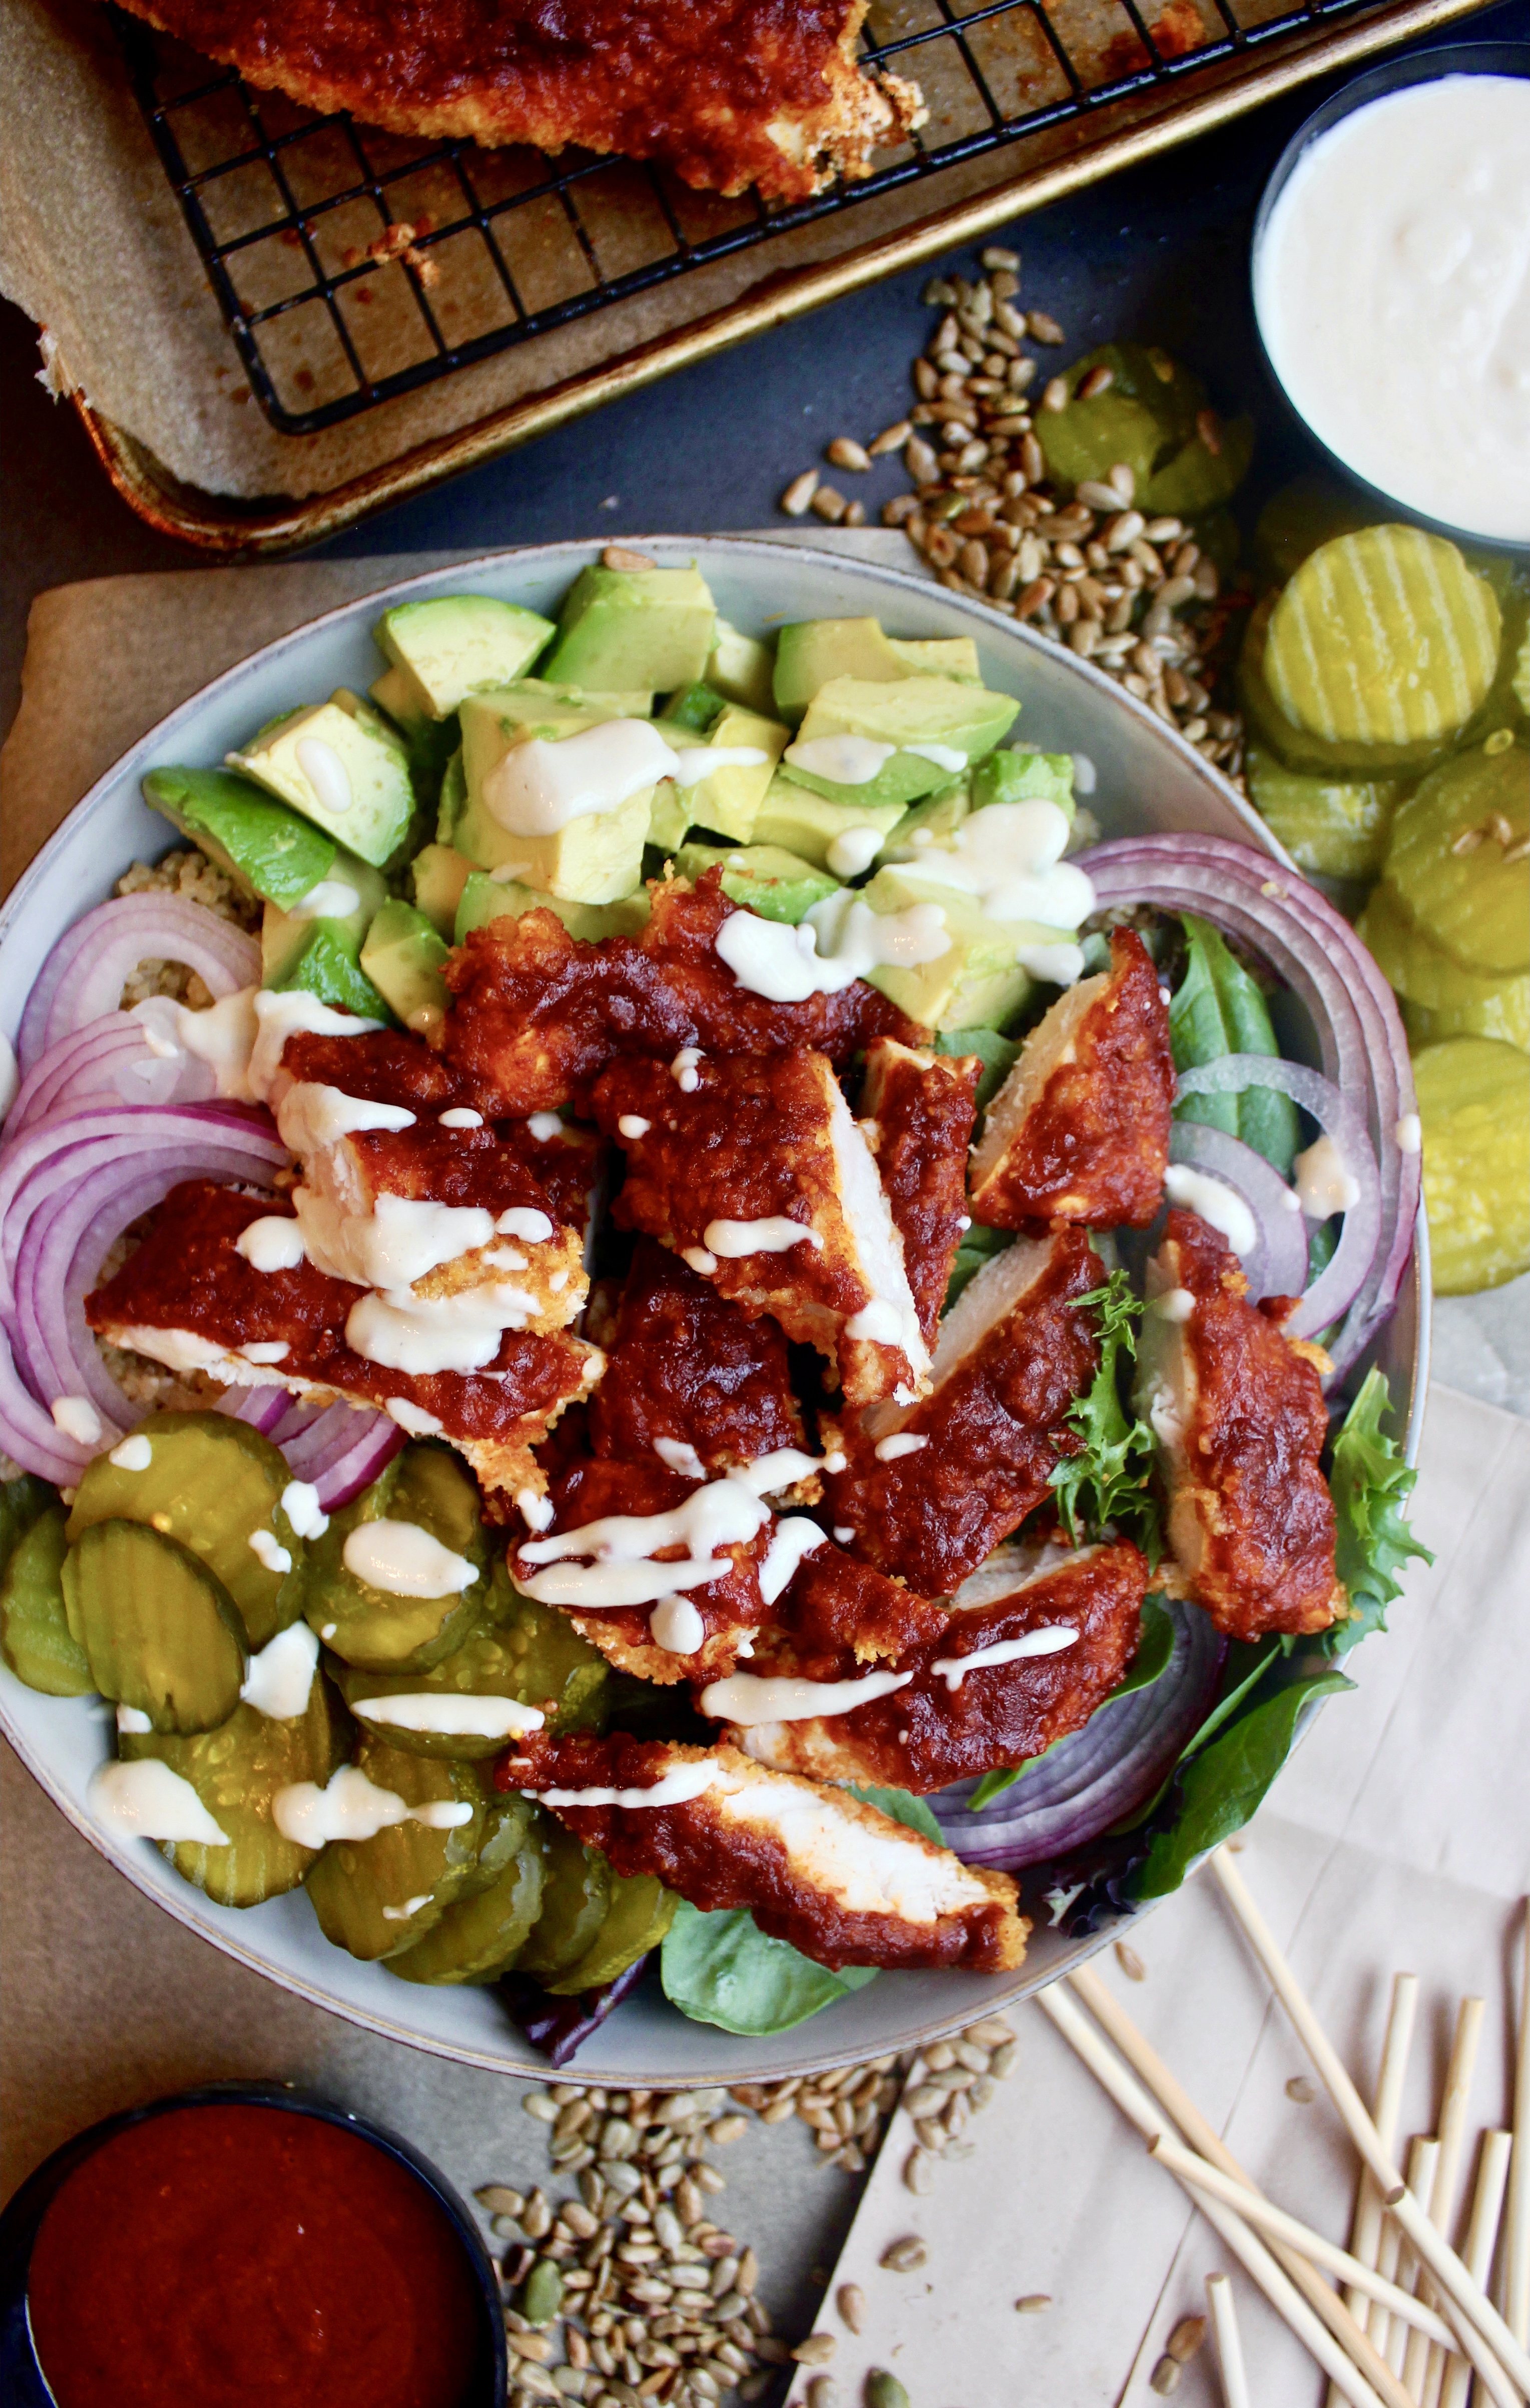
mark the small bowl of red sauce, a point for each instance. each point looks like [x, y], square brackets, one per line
[246, 2245]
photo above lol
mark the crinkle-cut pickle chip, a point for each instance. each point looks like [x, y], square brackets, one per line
[368, 1626]
[476, 1938]
[378, 1896]
[1474, 1101]
[212, 1483]
[528, 1652]
[1384, 635]
[160, 1631]
[640, 1912]
[1503, 1013]
[236, 1771]
[1419, 970]
[1449, 862]
[579, 1891]
[35, 1636]
[1338, 827]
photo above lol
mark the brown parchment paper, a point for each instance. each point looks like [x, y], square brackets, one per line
[93, 247]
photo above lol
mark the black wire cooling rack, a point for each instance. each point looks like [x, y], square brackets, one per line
[353, 266]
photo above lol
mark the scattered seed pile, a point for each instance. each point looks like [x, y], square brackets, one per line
[1133, 594]
[631, 2291]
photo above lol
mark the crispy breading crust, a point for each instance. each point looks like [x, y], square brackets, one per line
[537, 1016]
[994, 1427]
[714, 1853]
[925, 1736]
[1079, 1130]
[728, 93]
[921, 1107]
[1241, 1410]
[684, 1365]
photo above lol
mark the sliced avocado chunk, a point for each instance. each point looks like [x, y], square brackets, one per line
[429, 742]
[634, 628]
[931, 821]
[979, 983]
[342, 766]
[695, 708]
[762, 877]
[918, 716]
[728, 801]
[742, 670]
[669, 817]
[437, 874]
[793, 818]
[267, 849]
[35, 1636]
[810, 652]
[596, 859]
[160, 1631]
[403, 957]
[486, 899]
[378, 1896]
[321, 949]
[454, 794]
[450, 646]
[213, 1484]
[1022, 775]
[236, 1771]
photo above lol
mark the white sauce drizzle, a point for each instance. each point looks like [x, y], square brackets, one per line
[676, 1788]
[353, 1808]
[402, 1560]
[300, 1503]
[146, 1801]
[397, 1242]
[1175, 1304]
[1010, 857]
[539, 786]
[954, 1669]
[78, 1418]
[413, 1418]
[903, 1442]
[944, 756]
[685, 1069]
[280, 1677]
[676, 1626]
[536, 1511]
[265, 1350]
[843, 760]
[327, 774]
[461, 1116]
[410, 1907]
[272, 1243]
[622, 1547]
[699, 1259]
[853, 851]
[404, 1332]
[1408, 1133]
[633, 1124]
[1216, 1202]
[452, 1718]
[222, 1035]
[774, 1235]
[695, 763]
[289, 1012]
[133, 1720]
[786, 966]
[272, 1553]
[134, 1455]
[1324, 1182]
[331, 899]
[747, 1699]
[790, 1541]
[524, 1221]
[311, 1117]
[679, 1456]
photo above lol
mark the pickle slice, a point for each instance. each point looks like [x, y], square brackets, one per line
[553, 1670]
[35, 1636]
[236, 1771]
[1144, 416]
[1335, 827]
[1451, 863]
[1297, 747]
[1474, 1101]
[213, 1484]
[378, 1896]
[1384, 635]
[476, 1938]
[1503, 1013]
[640, 1912]
[369, 1627]
[577, 1893]
[160, 1630]
[1311, 511]
[1416, 966]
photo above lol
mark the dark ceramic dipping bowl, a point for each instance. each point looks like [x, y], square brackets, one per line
[28, 2252]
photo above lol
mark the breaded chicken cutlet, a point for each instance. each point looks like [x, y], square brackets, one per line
[727, 93]
[837, 1879]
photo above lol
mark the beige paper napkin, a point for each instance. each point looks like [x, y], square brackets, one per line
[1398, 1837]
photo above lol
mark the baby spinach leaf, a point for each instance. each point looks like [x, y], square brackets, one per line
[902, 1808]
[1108, 1479]
[1370, 1485]
[1222, 1786]
[721, 1969]
[998, 1055]
[1218, 1010]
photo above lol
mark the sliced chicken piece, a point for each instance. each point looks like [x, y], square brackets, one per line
[193, 1297]
[930, 1492]
[916, 1111]
[839, 1880]
[1079, 1129]
[995, 1684]
[1239, 1411]
[689, 1376]
[755, 1173]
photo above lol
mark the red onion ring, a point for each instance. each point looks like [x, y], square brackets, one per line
[83, 977]
[1279, 1267]
[109, 1061]
[1353, 1012]
[341, 1451]
[260, 1409]
[1113, 1766]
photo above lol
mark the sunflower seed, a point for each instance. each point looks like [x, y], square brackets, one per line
[1186, 2339]
[1164, 2378]
[903, 2256]
[1299, 2087]
[799, 493]
[1035, 2303]
[536, 2103]
[919, 2170]
[994, 256]
[850, 2302]
[499, 2199]
[529, 2346]
[892, 438]
[726, 2129]
[845, 453]
[822, 2392]
[616, 555]
[817, 2350]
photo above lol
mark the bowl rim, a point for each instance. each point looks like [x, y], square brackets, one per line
[1002, 1991]
[1394, 75]
[22, 2217]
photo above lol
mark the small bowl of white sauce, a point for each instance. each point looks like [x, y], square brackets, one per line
[1392, 285]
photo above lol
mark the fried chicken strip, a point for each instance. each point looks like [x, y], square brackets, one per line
[688, 1376]
[916, 1111]
[841, 1880]
[1239, 1411]
[1079, 1129]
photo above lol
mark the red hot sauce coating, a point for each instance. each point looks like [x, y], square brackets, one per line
[923, 1111]
[686, 1364]
[245, 2256]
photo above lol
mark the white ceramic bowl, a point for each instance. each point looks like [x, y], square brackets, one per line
[1146, 778]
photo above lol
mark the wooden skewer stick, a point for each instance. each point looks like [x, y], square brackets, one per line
[1516, 2244]
[1273, 2220]
[1423, 2158]
[1181, 2110]
[1138, 2108]
[1234, 2380]
[1423, 2368]
[1367, 2230]
[1481, 2239]
[1466, 2301]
